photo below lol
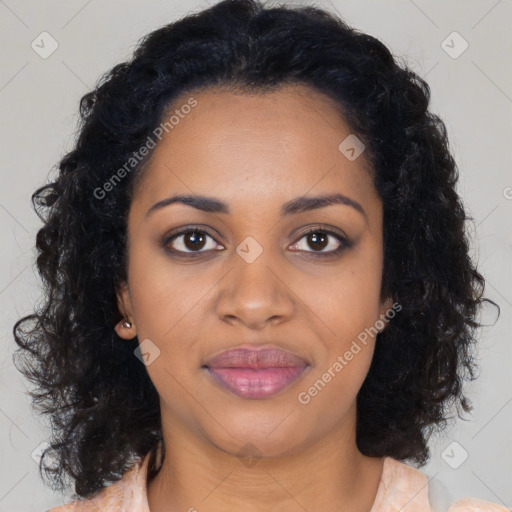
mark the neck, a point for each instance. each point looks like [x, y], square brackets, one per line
[329, 475]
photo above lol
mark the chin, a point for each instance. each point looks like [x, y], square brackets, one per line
[255, 436]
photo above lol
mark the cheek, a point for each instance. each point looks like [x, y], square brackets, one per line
[162, 293]
[349, 343]
[346, 308]
[169, 302]
[346, 298]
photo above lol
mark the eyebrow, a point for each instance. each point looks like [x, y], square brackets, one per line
[298, 205]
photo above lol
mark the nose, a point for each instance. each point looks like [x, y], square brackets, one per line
[255, 294]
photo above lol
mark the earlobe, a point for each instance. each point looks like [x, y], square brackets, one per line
[125, 328]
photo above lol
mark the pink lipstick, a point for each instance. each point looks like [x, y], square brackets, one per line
[255, 373]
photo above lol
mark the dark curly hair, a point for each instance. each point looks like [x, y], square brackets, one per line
[104, 409]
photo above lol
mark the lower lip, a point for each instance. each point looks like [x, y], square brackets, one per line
[256, 383]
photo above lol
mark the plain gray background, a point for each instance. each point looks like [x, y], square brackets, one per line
[471, 90]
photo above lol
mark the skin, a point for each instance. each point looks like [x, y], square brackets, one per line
[255, 152]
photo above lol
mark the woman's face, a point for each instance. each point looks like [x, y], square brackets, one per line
[253, 276]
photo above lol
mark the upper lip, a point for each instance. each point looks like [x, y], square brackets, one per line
[250, 357]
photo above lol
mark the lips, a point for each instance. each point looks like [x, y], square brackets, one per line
[255, 358]
[255, 373]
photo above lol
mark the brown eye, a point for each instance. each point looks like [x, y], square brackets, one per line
[322, 242]
[190, 241]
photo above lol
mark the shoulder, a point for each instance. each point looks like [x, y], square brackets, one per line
[405, 488]
[125, 494]
[106, 500]
[401, 487]
[476, 505]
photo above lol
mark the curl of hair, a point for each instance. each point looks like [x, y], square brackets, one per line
[103, 407]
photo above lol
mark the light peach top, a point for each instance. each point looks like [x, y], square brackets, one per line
[401, 488]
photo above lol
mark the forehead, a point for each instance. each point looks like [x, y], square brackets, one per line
[254, 146]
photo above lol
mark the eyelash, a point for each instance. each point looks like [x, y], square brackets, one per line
[345, 243]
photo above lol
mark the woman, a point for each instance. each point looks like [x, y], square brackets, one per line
[258, 284]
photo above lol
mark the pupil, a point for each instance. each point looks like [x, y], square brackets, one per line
[195, 237]
[314, 238]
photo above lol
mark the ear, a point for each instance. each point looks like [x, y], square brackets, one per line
[385, 307]
[124, 305]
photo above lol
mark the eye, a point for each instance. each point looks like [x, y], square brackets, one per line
[324, 242]
[190, 240]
